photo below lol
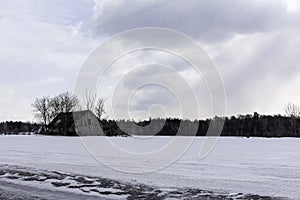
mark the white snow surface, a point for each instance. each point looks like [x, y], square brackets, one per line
[262, 166]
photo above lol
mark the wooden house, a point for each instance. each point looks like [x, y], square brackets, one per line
[81, 123]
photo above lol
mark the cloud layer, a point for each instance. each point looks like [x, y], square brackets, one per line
[255, 45]
[206, 21]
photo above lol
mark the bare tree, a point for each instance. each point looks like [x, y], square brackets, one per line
[67, 102]
[292, 110]
[42, 109]
[99, 108]
[92, 102]
[89, 99]
[64, 102]
[55, 106]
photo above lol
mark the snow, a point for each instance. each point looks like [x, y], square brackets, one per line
[262, 166]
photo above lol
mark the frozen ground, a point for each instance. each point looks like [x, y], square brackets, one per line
[28, 183]
[236, 168]
[10, 191]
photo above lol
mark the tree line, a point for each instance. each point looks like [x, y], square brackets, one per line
[255, 125]
[10, 127]
[250, 125]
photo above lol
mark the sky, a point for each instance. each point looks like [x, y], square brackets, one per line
[254, 44]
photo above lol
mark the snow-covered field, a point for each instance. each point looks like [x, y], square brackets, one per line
[236, 167]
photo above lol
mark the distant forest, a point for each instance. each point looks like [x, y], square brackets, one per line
[253, 125]
[11, 127]
[243, 125]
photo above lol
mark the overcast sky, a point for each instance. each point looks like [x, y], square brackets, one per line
[255, 45]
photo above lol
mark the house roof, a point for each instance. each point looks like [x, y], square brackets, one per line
[78, 114]
[68, 119]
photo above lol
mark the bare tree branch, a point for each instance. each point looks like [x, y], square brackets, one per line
[99, 108]
[292, 110]
[42, 109]
[68, 102]
[89, 100]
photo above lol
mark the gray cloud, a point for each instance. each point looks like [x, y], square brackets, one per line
[205, 20]
[40, 52]
[261, 72]
[255, 45]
